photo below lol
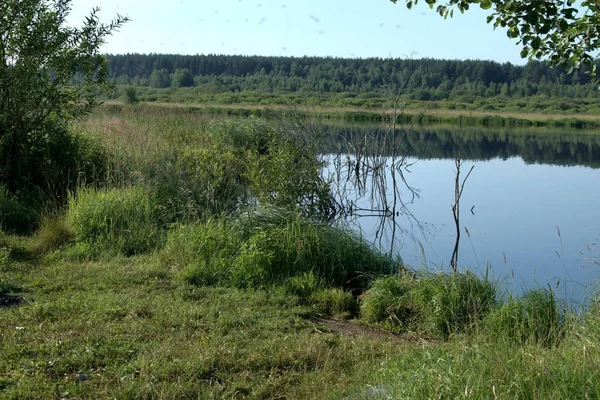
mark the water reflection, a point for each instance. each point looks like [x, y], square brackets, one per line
[567, 148]
[521, 194]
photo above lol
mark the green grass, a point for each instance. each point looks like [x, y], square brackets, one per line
[119, 219]
[493, 112]
[126, 328]
[437, 304]
[269, 245]
[129, 327]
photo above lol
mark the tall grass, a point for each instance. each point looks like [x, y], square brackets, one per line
[120, 219]
[439, 304]
[536, 317]
[263, 247]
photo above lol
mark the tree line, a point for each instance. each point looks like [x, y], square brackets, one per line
[423, 79]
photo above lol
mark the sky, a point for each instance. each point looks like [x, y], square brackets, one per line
[336, 28]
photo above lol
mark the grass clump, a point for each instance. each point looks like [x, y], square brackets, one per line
[535, 317]
[299, 245]
[53, 233]
[313, 292]
[115, 218]
[437, 303]
[195, 184]
[202, 252]
[388, 302]
[268, 248]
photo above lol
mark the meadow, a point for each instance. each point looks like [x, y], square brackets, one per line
[195, 257]
[531, 111]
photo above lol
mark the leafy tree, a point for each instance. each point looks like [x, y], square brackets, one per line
[160, 78]
[182, 77]
[39, 58]
[565, 31]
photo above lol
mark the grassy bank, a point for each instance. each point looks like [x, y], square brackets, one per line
[420, 114]
[202, 262]
[132, 327]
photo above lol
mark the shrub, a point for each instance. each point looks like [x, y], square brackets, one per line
[117, 218]
[535, 317]
[130, 95]
[57, 160]
[281, 166]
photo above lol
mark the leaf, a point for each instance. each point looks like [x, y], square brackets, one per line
[486, 4]
[563, 25]
[536, 43]
[524, 52]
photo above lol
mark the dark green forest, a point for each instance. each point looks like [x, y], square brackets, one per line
[420, 79]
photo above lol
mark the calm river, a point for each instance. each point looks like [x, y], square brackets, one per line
[529, 212]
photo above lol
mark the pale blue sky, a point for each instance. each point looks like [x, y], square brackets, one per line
[338, 28]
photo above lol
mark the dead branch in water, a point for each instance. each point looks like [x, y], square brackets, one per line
[458, 190]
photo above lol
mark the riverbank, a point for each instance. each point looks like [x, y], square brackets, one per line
[128, 327]
[413, 115]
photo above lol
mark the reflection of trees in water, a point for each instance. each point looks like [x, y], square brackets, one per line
[370, 181]
[565, 148]
[371, 168]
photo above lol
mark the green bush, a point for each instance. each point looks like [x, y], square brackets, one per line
[115, 218]
[535, 317]
[56, 161]
[281, 166]
[130, 95]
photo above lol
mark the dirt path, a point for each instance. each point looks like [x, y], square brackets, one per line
[347, 328]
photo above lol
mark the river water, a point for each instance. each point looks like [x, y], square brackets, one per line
[529, 211]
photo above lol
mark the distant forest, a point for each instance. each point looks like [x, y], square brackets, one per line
[422, 79]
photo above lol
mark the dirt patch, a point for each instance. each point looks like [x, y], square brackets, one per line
[347, 328]
[9, 300]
